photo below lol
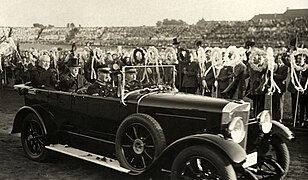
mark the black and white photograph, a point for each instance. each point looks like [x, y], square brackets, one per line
[154, 90]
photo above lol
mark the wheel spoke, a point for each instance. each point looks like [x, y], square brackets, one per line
[130, 138]
[149, 146]
[127, 146]
[148, 155]
[143, 161]
[135, 132]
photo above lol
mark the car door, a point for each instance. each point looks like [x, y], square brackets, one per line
[59, 104]
[103, 117]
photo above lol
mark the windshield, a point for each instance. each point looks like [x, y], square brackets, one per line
[148, 77]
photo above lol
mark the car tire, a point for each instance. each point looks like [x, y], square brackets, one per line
[33, 138]
[200, 162]
[139, 141]
[275, 151]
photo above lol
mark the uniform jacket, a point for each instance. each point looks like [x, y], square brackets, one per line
[280, 76]
[256, 81]
[190, 78]
[302, 76]
[101, 89]
[224, 77]
[209, 77]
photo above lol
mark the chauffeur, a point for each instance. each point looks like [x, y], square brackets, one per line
[102, 85]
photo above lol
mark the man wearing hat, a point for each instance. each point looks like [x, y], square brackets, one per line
[131, 82]
[102, 85]
[73, 81]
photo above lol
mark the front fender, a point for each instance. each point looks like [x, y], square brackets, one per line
[44, 117]
[234, 152]
[282, 131]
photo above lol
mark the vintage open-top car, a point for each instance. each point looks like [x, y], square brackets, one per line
[154, 127]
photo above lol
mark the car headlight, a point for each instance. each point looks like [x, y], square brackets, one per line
[265, 121]
[236, 129]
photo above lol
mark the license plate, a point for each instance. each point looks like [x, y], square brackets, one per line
[251, 159]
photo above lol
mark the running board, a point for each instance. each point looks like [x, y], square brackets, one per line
[94, 158]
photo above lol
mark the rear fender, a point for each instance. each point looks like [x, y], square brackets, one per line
[234, 152]
[283, 132]
[46, 119]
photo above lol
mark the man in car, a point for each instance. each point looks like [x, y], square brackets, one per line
[73, 81]
[102, 85]
[42, 76]
[131, 82]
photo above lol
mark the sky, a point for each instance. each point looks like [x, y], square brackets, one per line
[93, 13]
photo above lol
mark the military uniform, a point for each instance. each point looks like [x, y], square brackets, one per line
[101, 89]
[280, 76]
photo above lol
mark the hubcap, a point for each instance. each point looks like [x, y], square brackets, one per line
[138, 146]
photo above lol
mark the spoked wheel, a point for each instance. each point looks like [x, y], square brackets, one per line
[273, 161]
[139, 141]
[200, 162]
[33, 137]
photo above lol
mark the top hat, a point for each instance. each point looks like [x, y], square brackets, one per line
[198, 43]
[175, 41]
[249, 43]
[73, 62]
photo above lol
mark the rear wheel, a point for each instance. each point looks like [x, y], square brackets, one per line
[139, 141]
[33, 138]
[200, 162]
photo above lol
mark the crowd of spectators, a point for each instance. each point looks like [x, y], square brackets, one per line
[274, 33]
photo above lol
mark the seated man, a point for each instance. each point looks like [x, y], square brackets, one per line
[102, 85]
[73, 81]
[42, 76]
[131, 83]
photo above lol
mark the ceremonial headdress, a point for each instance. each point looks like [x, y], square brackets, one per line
[170, 56]
[257, 60]
[232, 57]
[137, 53]
[152, 55]
[216, 57]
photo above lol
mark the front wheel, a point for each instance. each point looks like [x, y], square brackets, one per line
[200, 162]
[33, 138]
[273, 160]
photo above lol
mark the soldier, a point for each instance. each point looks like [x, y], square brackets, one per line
[280, 76]
[102, 85]
[73, 81]
[131, 83]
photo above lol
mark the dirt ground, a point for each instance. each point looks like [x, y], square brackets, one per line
[15, 165]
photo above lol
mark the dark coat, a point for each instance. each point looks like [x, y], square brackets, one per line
[209, 78]
[280, 76]
[190, 78]
[71, 84]
[42, 78]
[256, 81]
[224, 77]
[302, 76]
[101, 89]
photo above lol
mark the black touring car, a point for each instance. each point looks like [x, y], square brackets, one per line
[154, 127]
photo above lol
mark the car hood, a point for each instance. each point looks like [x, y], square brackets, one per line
[183, 101]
